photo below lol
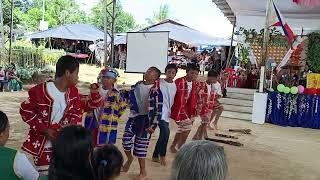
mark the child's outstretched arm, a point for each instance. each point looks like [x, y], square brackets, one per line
[91, 101]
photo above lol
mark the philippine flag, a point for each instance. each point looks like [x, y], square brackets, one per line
[276, 19]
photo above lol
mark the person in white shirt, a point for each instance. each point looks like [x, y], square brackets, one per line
[13, 164]
[217, 107]
[2, 78]
[168, 89]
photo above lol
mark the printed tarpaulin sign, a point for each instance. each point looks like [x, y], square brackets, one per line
[313, 80]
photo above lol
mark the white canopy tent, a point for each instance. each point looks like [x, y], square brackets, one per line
[252, 14]
[181, 33]
[187, 35]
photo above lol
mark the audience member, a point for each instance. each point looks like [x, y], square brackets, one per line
[200, 160]
[71, 153]
[15, 164]
[106, 162]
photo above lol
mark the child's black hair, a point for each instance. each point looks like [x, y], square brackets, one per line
[213, 73]
[192, 66]
[3, 121]
[70, 156]
[106, 162]
[171, 66]
[157, 70]
[66, 63]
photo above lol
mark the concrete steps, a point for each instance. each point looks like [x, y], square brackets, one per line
[237, 115]
[238, 104]
[234, 108]
[241, 91]
[240, 96]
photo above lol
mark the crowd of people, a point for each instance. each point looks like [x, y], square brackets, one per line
[63, 149]
[9, 79]
[246, 76]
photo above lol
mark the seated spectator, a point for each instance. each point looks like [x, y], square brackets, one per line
[106, 162]
[200, 160]
[2, 78]
[15, 84]
[15, 164]
[71, 153]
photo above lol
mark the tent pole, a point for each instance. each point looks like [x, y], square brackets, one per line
[230, 49]
[265, 46]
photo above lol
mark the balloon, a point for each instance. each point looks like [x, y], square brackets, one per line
[294, 90]
[286, 90]
[280, 88]
[300, 89]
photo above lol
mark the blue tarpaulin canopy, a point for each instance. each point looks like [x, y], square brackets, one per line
[83, 32]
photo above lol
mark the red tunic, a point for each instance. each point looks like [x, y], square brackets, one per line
[36, 112]
[183, 107]
[204, 102]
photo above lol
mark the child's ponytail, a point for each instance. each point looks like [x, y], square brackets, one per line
[106, 162]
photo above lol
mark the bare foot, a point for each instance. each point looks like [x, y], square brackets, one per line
[163, 161]
[140, 177]
[173, 149]
[126, 166]
[154, 159]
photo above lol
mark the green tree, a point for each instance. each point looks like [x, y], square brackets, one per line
[158, 16]
[18, 5]
[124, 21]
[57, 12]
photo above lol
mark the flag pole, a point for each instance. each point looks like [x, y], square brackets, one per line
[265, 46]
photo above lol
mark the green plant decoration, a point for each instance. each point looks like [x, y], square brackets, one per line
[275, 38]
[313, 52]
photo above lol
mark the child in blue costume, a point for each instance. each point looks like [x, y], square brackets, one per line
[103, 121]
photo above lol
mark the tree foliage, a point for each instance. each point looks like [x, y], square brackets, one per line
[28, 13]
[124, 21]
[158, 16]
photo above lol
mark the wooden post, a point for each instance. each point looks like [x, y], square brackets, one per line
[113, 18]
[2, 40]
[105, 34]
[11, 31]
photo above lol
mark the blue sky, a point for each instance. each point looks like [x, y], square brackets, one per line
[202, 15]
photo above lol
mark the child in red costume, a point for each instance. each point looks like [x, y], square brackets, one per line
[183, 110]
[206, 100]
[52, 106]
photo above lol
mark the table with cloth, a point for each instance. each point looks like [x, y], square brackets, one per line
[298, 110]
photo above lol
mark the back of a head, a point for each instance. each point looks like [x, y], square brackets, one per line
[106, 162]
[192, 66]
[70, 157]
[66, 63]
[213, 73]
[200, 160]
[3, 122]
